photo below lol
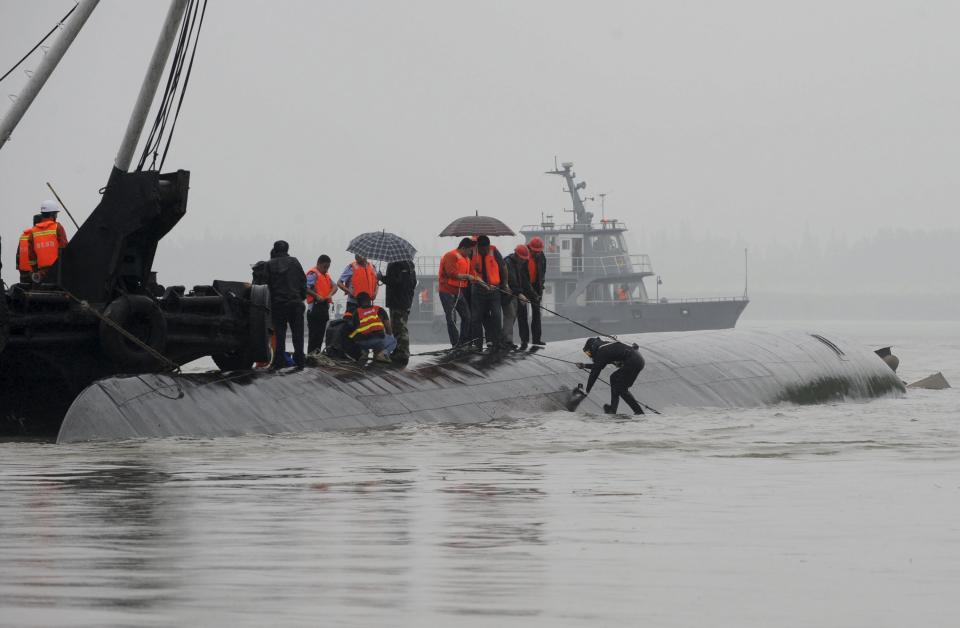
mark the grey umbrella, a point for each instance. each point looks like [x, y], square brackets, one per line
[477, 225]
[382, 246]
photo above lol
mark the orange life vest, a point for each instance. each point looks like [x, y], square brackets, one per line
[26, 260]
[322, 286]
[622, 295]
[368, 322]
[462, 268]
[364, 280]
[424, 296]
[532, 268]
[493, 268]
[46, 243]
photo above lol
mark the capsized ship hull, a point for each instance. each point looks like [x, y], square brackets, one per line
[727, 368]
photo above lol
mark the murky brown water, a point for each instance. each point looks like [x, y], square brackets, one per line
[842, 515]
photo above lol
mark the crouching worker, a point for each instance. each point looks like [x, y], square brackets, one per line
[368, 328]
[630, 363]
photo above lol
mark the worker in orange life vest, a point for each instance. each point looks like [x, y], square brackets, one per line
[320, 291]
[453, 286]
[359, 276]
[48, 237]
[537, 272]
[485, 307]
[26, 257]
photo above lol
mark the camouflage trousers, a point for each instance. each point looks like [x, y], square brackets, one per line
[398, 320]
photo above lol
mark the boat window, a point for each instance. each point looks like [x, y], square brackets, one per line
[565, 244]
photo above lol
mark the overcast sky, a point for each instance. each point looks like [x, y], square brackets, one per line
[307, 120]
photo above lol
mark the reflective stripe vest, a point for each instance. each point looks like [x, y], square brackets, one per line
[46, 243]
[462, 267]
[322, 286]
[26, 259]
[364, 280]
[492, 275]
[368, 322]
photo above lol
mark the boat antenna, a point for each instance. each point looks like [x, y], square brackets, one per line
[603, 205]
[46, 66]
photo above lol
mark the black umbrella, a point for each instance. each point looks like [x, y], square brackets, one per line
[383, 246]
[477, 225]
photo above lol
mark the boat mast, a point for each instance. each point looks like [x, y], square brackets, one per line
[580, 214]
[45, 69]
[148, 89]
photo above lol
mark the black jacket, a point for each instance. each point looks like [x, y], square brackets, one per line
[401, 282]
[610, 353]
[286, 280]
[518, 279]
[541, 261]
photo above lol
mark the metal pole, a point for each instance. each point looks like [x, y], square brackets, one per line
[149, 87]
[45, 69]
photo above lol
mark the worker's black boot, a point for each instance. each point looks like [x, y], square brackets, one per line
[633, 403]
[608, 409]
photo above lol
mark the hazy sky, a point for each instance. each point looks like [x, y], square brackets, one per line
[311, 119]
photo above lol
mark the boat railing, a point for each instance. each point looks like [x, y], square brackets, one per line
[665, 300]
[549, 227]
[601, 266]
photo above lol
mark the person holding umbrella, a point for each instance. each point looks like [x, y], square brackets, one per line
[359, 276]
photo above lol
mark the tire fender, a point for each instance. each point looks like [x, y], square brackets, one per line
[141, 316]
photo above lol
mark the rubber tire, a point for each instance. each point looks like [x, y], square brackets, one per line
[124, 311]
[257, 347]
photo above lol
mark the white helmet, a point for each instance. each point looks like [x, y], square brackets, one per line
[50, 207]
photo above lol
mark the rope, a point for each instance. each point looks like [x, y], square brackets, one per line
[171, 365]
[566, 318]
[40, 43]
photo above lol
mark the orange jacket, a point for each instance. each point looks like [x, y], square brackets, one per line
[368, 322]
[364, 280]
[492, 276]
[26, 258]
[453, 263]
[322, 287]
[48, 238]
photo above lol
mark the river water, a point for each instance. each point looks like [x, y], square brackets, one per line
[833, 515]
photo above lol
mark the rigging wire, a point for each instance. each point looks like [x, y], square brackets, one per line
[40, 43]
[187, 42]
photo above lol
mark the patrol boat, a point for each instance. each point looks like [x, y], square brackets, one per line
[592, 278]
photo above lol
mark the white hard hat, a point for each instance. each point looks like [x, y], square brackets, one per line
[48, 207]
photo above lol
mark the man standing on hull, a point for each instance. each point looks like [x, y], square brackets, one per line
[630, 363]
[487, 316]
[401, 283]
[320, 291]
[520, 291]
[453, 283]
[536, 271]
[288, 289]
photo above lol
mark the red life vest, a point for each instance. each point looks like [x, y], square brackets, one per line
[368, 322]
[26, 260]
[46, 243]
[493, 268]
[364, 280]
[322, 286]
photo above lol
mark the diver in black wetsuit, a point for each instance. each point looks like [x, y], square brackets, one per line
[630, 363]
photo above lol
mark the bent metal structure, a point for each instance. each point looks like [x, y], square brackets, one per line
[728, 368]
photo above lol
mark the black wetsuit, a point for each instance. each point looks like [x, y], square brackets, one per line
[630, 362]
